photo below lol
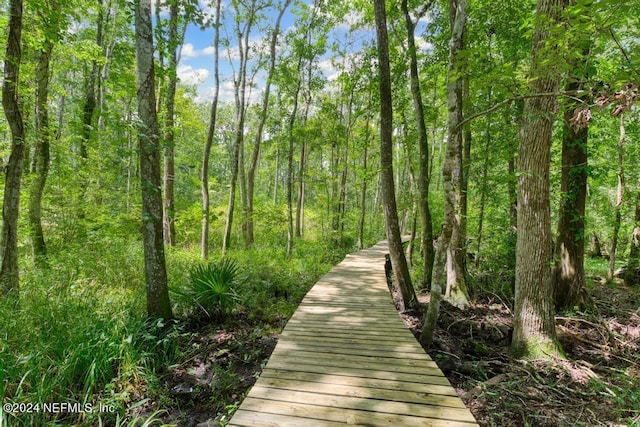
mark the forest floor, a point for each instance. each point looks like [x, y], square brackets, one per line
[598, 384]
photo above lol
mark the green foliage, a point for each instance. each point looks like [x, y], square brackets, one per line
[212, 286]
[80, 335]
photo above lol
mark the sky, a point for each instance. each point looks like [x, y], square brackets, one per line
[197, 54]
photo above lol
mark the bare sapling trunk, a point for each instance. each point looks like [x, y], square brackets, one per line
[206, 211]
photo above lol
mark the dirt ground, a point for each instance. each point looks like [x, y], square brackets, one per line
[598, 384]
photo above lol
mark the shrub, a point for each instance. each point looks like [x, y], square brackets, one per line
[211, 286]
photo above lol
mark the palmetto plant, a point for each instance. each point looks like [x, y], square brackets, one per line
[212, 286]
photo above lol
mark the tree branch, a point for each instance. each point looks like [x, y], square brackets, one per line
[571, 95]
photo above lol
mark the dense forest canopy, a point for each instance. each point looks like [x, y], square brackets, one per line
[139, 137]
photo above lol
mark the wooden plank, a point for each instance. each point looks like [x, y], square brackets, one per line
[357, 349]
[344, 324]
[411, 365]
[301, 366]
[293, 333]
[344, 361]
[353, 339]
[363, 392]
[371, 405]
[417, 387]
[265, 419]
[321, 416]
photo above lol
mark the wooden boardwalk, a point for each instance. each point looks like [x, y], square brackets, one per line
[346, 357]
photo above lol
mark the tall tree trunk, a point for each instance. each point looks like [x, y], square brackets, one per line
[534, 333]
[483, 190]
[150, 151]
[570, 285]
[240, 87]
[9, 270]
[619, 197]
[204, 246]
[452, 173]
[253, 165]
[168, 218]
[41, 155]
[396, 253]
[426, 223]
[290, 172]
[300, 203]
[90, 102]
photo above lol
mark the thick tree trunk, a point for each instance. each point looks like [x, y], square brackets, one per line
[204, 245]
[452, 173]
[9, 269]
[426, 223]
[619, 198]
[396, 253]
[534, 333]
[570, 285]
[150, 152]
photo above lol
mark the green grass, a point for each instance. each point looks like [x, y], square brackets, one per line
[80, 334]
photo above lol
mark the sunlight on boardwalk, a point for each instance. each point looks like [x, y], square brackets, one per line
[346, 357]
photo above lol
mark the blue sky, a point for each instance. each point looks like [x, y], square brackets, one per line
[196, 64]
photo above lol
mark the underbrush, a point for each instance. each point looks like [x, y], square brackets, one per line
[80, 351]
[599, 384]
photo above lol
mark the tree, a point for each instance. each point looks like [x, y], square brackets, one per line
[534, 334]
[452, 172]
[426, 222]
[204, 246]
[51, 22]
[570, 284]
[253, 165]
[158, 304]
[396, 253]
[9, 270]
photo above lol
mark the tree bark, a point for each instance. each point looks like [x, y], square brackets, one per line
[570, 284]
[396, 253]
[158, 304]
[292, 121]
[9, 270]
[534, 333]
[204, 246]
[452, 174]
[169, 211]
[42, 154]
[619, 198]
[426, 223]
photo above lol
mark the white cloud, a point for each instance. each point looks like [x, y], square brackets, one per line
[189, 51]
[190, 76]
